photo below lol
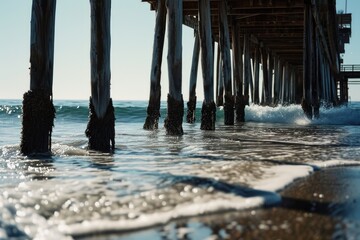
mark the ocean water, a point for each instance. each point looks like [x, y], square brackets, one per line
[152, 179]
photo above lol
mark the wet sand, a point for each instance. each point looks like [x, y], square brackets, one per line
[325, 205]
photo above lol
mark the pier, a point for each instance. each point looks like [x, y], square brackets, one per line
[266, 52]
[349, 75]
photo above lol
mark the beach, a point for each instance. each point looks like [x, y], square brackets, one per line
[277, 176]
[324, 205]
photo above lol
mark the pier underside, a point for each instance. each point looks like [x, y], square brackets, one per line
[294, 44]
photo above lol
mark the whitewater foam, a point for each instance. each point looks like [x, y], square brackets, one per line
[152, 178]
[293, 114]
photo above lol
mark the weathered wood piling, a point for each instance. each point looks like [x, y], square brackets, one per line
[191, 104]
[175, 107]
[283, 52]
[224, 43]
[101, 126]
[208, 111]
[219, 80]
[38, 108]
[153, 110]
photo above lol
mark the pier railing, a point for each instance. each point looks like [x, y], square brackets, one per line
[351, 72]
[350, 68]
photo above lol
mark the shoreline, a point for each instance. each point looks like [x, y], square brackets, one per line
[324, 205]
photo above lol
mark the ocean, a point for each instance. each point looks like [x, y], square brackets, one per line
[152, 179]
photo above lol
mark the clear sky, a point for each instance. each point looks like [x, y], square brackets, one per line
[132, 30]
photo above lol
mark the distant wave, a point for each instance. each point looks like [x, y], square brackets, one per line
[293, 114]
[135, 111]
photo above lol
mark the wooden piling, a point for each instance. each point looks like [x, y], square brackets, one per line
[248, 75]
[247, 64]
[38, 108]
[219, 80]
[280, 28]
[334, 100]
[175, 109]
[190, 118]
[287, 84]
[241, 100]
[237, 59]
[271, 77]
[224, 43]
[283, 84]
[266, 87]
[277, 71]
[256, 60]
[316, 74]
[208, 112]
[153, 109]
[101, 126]
[292, 89]
[307, 95]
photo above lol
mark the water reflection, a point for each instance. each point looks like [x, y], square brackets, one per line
[101, 161]
[38, 167]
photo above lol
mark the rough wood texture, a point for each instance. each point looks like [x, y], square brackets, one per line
[174, 57]
[38, 109]
[100, 55]
[194, 66]
[208, 112]
[174, 119]
[153, 110]
[42, 45]
[277, 71]
[101, 131]
[307, 84]
[277, 26]
[224, 40]
[247, 66]
[256, 75]
[175, 111]
[191, 111]
[190, 118]
[238, 67]
[241, 102]
[38, 121]
[265, 64]
[101, 126]
[208, 116]
[219, 80]
[206, 45]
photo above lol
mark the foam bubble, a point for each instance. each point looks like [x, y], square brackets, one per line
[278, 177]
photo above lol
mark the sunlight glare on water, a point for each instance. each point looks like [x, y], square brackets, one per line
[152, 178]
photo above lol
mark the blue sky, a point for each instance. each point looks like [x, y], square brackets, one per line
[132, 27]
